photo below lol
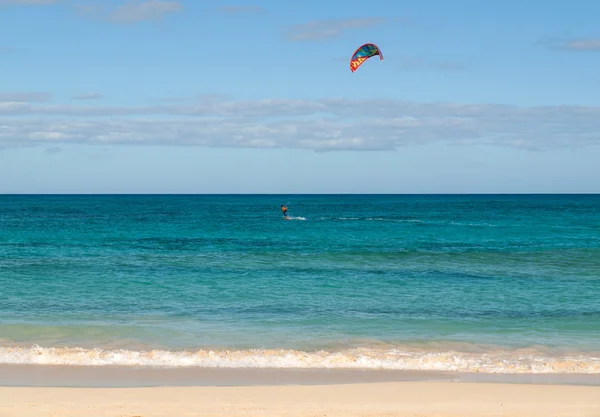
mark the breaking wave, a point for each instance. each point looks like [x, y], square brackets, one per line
[500, 361]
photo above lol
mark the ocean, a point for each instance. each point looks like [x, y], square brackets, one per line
[470, 283]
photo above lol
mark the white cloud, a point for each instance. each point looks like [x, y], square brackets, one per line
[87, 96]
[242, 10]
[27, 2]
[410, 63]
[414, 63]
[137, 11]
[132, 11]
[23, 97]
[320, 125]
[448, 66]
[577, 45]
[583, 45]
[317, 30]
[53, 149]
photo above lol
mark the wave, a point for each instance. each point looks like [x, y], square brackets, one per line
[419, 221]
[374, 219]
[429, 222]
[499, 361]
[391, 219]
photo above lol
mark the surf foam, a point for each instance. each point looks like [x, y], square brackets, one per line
[519, 361]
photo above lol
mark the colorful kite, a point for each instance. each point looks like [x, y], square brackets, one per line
[363, 53]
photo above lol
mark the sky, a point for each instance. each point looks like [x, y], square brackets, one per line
[218, 96]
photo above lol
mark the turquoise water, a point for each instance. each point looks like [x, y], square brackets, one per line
[488, 283]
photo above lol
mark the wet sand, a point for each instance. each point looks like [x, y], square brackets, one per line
[133, 376]
[74, 391]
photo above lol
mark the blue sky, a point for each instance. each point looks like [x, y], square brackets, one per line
[213, 96]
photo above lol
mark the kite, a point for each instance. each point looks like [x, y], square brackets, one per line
[363, 53]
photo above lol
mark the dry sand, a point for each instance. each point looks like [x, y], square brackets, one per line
[349, 400]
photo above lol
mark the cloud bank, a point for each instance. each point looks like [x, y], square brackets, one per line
[321, 125]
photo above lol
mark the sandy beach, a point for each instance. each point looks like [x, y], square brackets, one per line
[372, 399]
[69, 391]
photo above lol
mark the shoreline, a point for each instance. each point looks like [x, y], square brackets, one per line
[451, 358]
[106, 376]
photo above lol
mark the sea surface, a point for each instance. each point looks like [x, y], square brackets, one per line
[475, 283]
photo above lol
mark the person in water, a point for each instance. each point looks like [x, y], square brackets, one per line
[284, 211]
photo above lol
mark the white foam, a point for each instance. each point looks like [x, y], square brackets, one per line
[518, 361]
